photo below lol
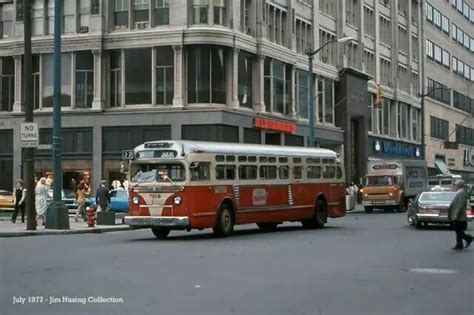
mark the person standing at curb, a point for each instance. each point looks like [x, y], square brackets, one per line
[102, 197]
[20, 194]
[41, 195]
[457, 215]
[81, 199]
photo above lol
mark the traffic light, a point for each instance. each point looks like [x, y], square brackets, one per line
[378, 96]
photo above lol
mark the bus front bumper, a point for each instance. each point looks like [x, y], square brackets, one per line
[380, 202]
[151, 221]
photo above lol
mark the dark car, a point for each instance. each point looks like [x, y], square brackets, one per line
[432, 207]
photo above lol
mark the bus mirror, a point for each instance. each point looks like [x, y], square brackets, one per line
[122, 167]
[194, 165]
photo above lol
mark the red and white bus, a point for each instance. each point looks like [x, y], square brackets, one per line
[195, 185]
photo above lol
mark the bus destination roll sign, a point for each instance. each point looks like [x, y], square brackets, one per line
[29, 135]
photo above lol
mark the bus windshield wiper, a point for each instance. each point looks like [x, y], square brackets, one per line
[170, 180]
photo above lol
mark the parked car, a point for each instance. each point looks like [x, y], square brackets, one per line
[69, 199]
[432, 207]
[6, 199]
[119, 200]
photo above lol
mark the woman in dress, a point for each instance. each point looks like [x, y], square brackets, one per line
[41, 194]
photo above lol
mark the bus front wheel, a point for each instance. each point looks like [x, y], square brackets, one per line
[160, 232]
[225, 221]
[319, 218]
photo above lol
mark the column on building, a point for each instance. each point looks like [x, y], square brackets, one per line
[96, 157]
[235, 78]
[293, 92]
[18, 84]
[99, 78]
[178, 98]
[259, 87]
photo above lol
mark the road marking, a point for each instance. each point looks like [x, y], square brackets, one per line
[433, 270]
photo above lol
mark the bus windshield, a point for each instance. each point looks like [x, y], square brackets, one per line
[158, 172]
[379, 181]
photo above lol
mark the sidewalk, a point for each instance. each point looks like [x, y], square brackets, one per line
[9, 229]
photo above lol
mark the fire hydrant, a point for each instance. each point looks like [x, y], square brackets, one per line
[90, 217]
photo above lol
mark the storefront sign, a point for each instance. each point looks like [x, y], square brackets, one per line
[393, 148]
[269, 124]
[468, 158]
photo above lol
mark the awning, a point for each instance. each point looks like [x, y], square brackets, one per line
[442, 167]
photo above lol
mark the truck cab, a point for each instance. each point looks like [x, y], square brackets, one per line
[382, 191]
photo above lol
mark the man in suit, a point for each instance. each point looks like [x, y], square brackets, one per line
[457, 215]
[102, 197]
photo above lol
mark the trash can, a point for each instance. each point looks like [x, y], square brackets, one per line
[350, 202]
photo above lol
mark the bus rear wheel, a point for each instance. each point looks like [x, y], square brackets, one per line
[319, 217]
[160, 232]
[225, 221]
[267, 227]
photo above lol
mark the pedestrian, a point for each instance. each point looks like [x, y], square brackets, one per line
[81, 199]
[20, 196]
[457, 215]
[102, 197]
[41, 195]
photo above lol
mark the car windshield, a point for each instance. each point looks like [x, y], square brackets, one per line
[379, 181]
[435, 197]
[118, 193]
[159, 172]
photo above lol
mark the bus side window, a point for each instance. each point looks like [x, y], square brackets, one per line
[219, 158]
[225, 172]
[329, 172]
[268, 172]
[297, 160]
[339, 172]
[201, 172]
[297, 172]
[284, 172]
[248, 172]
[230, 158]
[313, 172]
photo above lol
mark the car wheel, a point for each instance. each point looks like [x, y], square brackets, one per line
[319, 217]
[411, 219]
[418, 225]
[225, 222]
[267, 227]
[160, 232]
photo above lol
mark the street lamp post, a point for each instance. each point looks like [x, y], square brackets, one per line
[310, 53]
[422, 96]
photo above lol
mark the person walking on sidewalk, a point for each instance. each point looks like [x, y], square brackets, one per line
[20, 194]
[102, 197]
[81, 199]
[457, 215]
[41, 195]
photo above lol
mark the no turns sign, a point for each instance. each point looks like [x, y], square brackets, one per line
[29, 135]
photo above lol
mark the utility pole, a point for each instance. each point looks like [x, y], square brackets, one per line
[28, 153]
[57, 216]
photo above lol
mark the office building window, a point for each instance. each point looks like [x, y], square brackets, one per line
[415, 51]
[121, 14]
[277, 85]
[403, 119]
[352, 12]
[303, 36]
[200, 11]
[439, 92]
[385, 126]
[115, 79]
[246, 9]
[137, 87]
[69, 17]
[303, 93]
[328, 52]
[84, 15]
[369, 21]
[164, 75]
[327, 7]
[245, 70]
[415, 132]
[462, 102]
[325, 96]
[141, 13]
[7, 83]
[84, 85]
[37, 17]
[47, 80]
[219, 12]
[36, 81]
[385, 30]
[50, 13]
[162, 12]
[6, 21]
[369, 62]
[206, 74]
[464, 135]
[276, 23]
[439, 128]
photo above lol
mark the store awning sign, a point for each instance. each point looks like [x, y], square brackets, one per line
[269, 124]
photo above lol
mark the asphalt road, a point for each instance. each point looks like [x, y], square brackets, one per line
[360, 264]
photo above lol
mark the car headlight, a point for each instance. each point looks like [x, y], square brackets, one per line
[135, 200]
[177, 200]
[366, 195]
[390, 194]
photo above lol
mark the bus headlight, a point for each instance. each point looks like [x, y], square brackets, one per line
[135, 200]
[390, 194]
[177, 200]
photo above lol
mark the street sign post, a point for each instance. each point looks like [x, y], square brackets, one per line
[29, 135]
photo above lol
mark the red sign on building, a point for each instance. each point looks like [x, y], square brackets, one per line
[269, 124]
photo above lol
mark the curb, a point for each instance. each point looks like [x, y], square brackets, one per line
[65, 232]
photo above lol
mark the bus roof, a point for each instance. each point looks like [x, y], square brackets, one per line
[187, 147]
